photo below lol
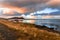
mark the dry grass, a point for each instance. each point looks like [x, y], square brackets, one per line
[24, 31]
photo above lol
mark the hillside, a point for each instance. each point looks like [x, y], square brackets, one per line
[22, 31]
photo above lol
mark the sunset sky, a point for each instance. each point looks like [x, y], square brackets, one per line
[31, 7]
[28, 6]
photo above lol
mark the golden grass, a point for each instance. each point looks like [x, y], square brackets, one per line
[29, 31]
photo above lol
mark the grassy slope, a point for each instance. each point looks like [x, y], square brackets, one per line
[23, 31]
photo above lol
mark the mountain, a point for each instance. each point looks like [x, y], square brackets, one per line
[16, 18]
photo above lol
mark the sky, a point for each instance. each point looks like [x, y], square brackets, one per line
[45, 11]
[48, 10]
[29, 6]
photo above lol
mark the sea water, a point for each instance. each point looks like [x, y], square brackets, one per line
[50, 23]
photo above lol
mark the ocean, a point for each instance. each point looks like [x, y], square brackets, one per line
[50, 23]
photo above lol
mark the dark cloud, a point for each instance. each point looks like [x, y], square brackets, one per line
[32, 5]
[24, 2]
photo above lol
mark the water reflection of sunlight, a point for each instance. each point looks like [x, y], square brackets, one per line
[29, 17]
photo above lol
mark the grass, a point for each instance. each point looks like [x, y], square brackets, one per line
[25, 31]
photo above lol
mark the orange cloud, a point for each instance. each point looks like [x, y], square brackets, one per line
[8, 11]
[54, 2]
[23, 6]
[15, 8]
